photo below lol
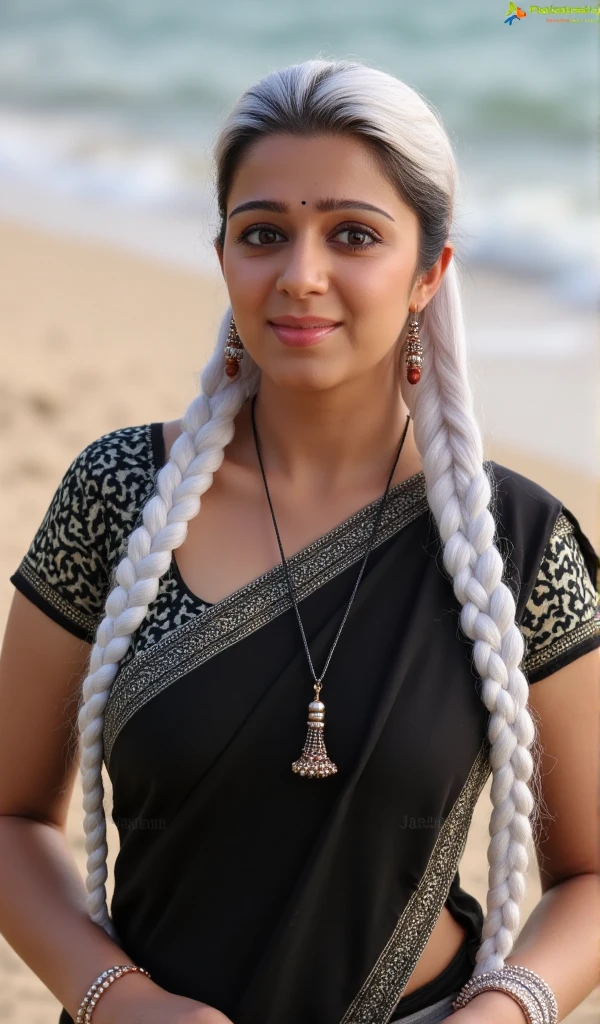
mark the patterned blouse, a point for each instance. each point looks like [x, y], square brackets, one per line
[66, 571]
[351, 875]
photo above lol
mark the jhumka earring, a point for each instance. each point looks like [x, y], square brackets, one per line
[234, 351]
[414, 351]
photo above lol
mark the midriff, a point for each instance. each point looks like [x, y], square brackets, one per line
[444, 942]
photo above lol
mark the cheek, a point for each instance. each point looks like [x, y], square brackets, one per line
[377, 312]
[378, 305]
[247, 281]
[376, 286]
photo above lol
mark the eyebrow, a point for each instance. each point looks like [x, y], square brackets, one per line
[322, 205]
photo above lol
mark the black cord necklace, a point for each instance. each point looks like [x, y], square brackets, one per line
[314, 762]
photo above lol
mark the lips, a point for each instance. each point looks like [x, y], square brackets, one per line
[301, 337]
[303, 322]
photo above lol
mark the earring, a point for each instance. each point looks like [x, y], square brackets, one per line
[414, 352]
[234, 351]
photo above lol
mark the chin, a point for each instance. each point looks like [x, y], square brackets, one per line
[308, 376]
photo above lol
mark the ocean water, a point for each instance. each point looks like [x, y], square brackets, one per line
[109, 110]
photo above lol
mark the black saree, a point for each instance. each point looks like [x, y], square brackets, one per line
[260, 882]
[279, 899]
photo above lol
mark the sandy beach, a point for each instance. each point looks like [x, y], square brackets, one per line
[94, 339]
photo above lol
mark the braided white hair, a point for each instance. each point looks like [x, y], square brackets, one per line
[459, 492]
[407, 137]
[207, 428]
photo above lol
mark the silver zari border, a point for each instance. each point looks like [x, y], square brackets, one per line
[380, 993]
[253, 605]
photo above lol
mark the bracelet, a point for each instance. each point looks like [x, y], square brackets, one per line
[102, 982]
[540, 991]
[529, 1006]
[527, 988]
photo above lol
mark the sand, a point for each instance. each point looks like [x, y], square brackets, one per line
[94, 339]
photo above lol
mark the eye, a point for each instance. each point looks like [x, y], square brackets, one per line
[351, 229]
[262, 229]
[358, 230]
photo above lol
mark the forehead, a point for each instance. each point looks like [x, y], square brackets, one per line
[295, 169]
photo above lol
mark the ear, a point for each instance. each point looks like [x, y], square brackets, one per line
[427, 284]
[219, 253]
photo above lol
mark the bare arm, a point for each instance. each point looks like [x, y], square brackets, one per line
[43, 912]
[42, 896]
[561, 938]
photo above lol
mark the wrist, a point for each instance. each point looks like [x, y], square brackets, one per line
[493, 1008]
[122, 996]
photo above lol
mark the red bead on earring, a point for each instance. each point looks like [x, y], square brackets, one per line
[414, 352]
[234, 351]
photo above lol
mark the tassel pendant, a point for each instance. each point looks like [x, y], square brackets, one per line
[314, 762]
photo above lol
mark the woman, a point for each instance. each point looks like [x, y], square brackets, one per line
[250, 890]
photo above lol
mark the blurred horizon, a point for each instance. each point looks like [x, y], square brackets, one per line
[109, 111]
[108, 114]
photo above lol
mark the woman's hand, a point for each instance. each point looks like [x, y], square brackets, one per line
[141, 1001]
[170, 1009]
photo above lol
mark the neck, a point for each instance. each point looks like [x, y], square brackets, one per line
[330, 440]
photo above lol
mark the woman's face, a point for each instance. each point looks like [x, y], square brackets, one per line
[354, 266]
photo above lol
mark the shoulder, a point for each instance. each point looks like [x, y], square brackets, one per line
[561, 620]
[127, 453]
[552, 568]
[529, 510]
[533, 525]
[120, 467]
[519, 499]
[120, 464]
[66, 569]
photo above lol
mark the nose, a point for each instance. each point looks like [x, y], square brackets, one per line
[304, 269]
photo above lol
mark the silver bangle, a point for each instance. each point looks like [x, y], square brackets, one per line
[541, 1002]
[521, 996]
[527, 988]
[99, 987]
[542, 990]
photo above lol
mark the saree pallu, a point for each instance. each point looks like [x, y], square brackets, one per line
[279, 899]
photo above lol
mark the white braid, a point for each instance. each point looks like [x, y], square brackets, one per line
[207, 428]
[459, 492]
[369, 104]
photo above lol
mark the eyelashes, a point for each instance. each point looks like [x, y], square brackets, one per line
[357, 229]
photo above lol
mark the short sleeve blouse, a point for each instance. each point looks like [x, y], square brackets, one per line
[67, 572]
[67, 568]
